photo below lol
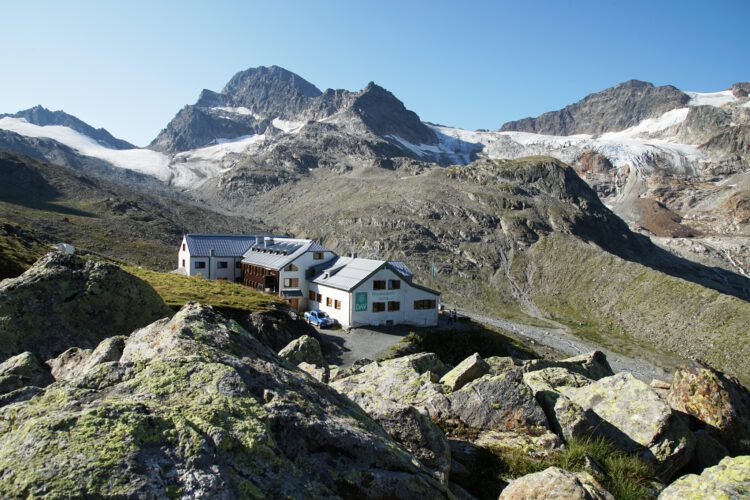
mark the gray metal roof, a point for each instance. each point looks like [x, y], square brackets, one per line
[345, 273]
[223, 245]
[401, 268]
[279, 252]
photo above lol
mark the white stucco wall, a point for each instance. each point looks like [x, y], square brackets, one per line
[230, 273]
[341, 315]
[303, 263]
[406, 295]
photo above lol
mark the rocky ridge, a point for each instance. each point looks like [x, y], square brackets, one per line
[197, 406]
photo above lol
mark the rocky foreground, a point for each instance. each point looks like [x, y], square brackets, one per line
[196, 406]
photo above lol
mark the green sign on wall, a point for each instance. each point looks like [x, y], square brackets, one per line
[360, 301]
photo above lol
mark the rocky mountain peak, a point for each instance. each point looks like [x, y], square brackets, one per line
[39, 115]
[610, 110]
[386, 115]
[267, 90]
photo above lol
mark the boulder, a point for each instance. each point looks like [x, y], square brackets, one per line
[410, 380]
[501, 364]
[198, 408]
[276, 329]
[555, 483]
[467, 370]
[497, 402]
[319, 373]
[413, 430]
[730, 479]
[593, 365]
[64, 301]
[304, 349]
[533, 445]
[565, 417]
[23, 370]
[718, 400]
[75, 361]
[635, 419]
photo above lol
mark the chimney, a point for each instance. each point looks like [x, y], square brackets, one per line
[353, 255]
[267, 240]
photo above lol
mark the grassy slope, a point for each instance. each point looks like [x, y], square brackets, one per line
[18, 250]
[637, 310]
[177, 290]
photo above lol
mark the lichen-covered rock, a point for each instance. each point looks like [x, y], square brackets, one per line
[637, 420]
[198, 408]
[532, 445]
[565, 417]
[728, 480]
[64, 301]
[501, 364]
[413, 430]
[555, 483]
[716, 399]
[23, 370]
[75, 361]
[319, 373]
[467, 370]
[410, 380]
[593, 365]
[496, 402]
[305, 349]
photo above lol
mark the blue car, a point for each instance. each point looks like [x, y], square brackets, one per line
[319, 318]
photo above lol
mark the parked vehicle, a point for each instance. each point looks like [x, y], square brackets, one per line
[319, 318]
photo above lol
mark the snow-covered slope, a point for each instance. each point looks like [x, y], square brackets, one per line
[185, 170]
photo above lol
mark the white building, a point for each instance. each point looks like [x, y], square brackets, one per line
[358, 292]
[354, 291]
[214, 256]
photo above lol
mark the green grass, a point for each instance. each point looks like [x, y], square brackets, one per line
[177, 290]
[625, 476]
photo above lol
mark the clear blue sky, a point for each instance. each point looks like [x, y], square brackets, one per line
[129, 66]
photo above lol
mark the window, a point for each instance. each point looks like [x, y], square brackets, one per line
[320, 298]
[238, 264]
[337, 304]
[222, 264]
[291, 267]
[183, 262]
[199, 264]
[311, 295]
[183, 246]
[291, 282]
[378, 307]
[394, 306]
[318, 255]
[378, 285]
[329, 301]
[424, 304]
[394, 284]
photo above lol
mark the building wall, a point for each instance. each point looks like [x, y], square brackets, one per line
[303, 263]
[341, 315]
[348, 316]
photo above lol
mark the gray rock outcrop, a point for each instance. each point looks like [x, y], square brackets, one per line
[730, 479]
[717, 400]
[593, 365]
[76, 361]
[196, 407]
[467, 370]
[305, 349]
[637, 420]
[555, 483]
[23, 370]
[64, 301]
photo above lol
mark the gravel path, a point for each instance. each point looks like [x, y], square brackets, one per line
[344, 348]
[564, 342]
